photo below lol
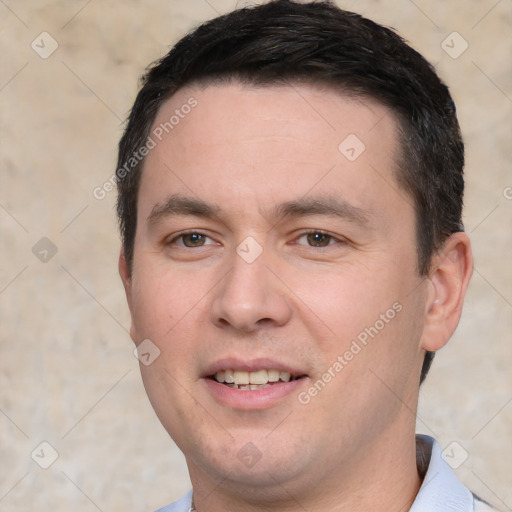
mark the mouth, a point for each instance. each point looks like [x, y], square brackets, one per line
[253, 380]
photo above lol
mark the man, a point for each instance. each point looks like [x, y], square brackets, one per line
[290, 196]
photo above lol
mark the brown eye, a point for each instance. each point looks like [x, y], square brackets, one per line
[193, 240]
[318, 239]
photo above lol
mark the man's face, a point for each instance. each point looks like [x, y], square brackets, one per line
[270, 240]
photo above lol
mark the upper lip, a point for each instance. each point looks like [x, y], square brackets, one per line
[251, 365]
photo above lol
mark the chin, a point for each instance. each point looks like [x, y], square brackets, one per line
[249, 459]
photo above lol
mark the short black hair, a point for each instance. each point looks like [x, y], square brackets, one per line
[285, 42]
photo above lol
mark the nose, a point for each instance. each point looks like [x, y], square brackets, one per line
[250, 297]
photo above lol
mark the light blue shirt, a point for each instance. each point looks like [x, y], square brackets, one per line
[441, 491]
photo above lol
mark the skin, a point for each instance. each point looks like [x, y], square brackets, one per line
[245, 150]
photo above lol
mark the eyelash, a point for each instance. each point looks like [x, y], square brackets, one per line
[174, 239]
[332, 239]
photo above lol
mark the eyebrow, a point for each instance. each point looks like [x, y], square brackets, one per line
[182, 205]
[178, 205]
[327, 206]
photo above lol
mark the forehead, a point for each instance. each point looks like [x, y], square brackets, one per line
[230, 142]
[316, 112]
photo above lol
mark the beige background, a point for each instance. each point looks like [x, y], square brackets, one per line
[68, 375]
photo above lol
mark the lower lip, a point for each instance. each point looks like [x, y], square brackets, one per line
[253, 399]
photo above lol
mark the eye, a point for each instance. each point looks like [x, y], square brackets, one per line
[317, 239]
[191, 240]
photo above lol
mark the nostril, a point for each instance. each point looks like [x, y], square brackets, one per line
[264, 321]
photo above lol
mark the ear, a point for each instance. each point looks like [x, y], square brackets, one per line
[126, 277]
[450, 273]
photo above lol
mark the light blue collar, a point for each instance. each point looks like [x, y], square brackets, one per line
[440, 491]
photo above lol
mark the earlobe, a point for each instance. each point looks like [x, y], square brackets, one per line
[450, 273]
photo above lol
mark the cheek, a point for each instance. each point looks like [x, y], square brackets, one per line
[171, 309]
[386, 364]
[369, 315]
[374, 372]
[167, 310]
[164, 300]
[350, 299]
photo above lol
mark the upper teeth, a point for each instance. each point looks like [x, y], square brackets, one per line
[240, 377]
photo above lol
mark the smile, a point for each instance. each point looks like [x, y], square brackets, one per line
[254, 380]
